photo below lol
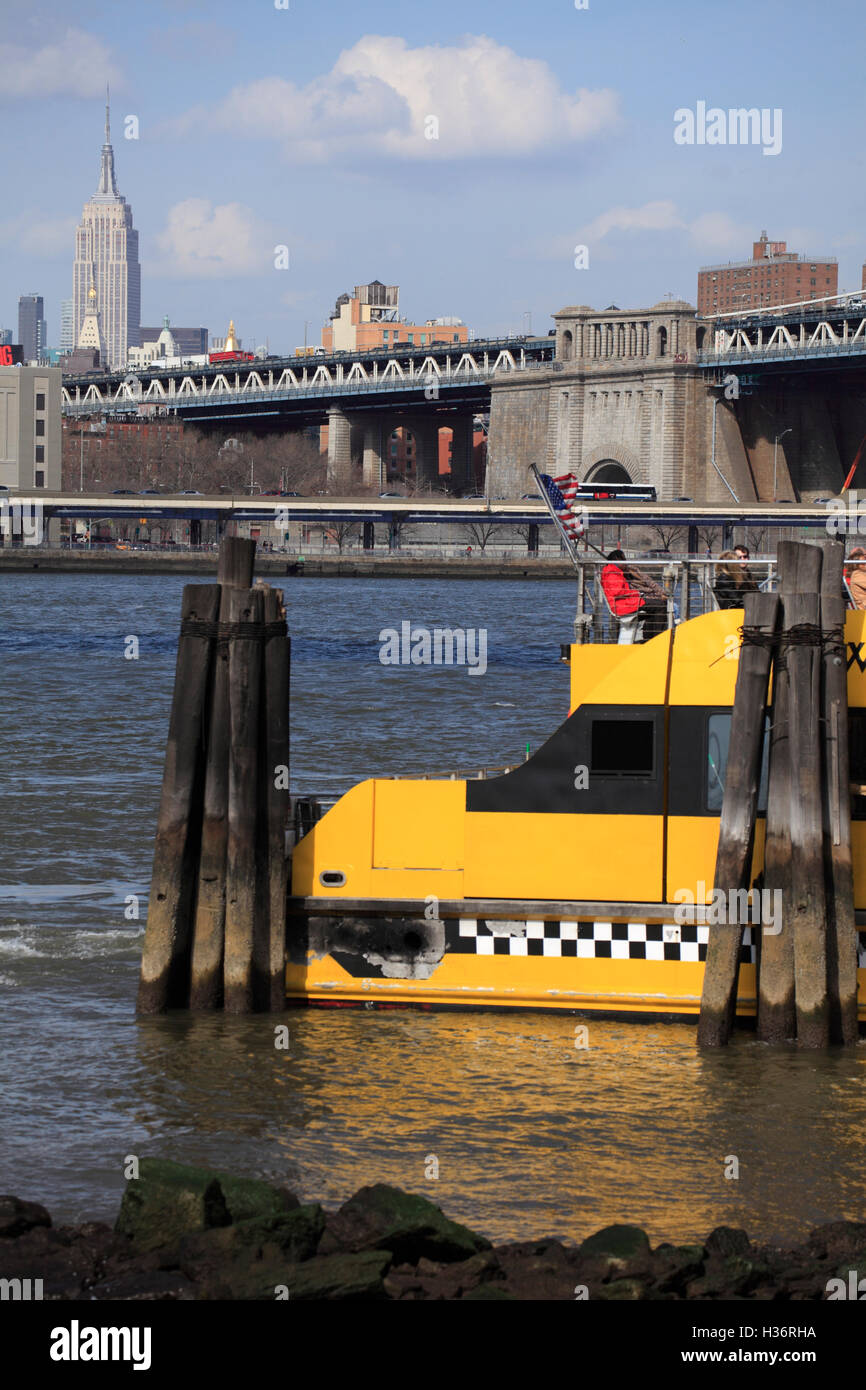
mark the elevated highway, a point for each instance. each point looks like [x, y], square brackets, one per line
[419, 511]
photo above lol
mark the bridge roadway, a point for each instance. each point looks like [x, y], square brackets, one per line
[305, 387]
[413, 510]
[795, 336]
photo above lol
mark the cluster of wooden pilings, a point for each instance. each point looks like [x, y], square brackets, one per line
[216, 919]
[807, 971]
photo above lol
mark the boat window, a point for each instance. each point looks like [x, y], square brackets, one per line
[718, 740]
[623, 747]
[857, 762]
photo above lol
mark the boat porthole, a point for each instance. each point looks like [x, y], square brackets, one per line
[332, 878]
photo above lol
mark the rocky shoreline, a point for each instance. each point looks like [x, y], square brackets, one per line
[186, 1233]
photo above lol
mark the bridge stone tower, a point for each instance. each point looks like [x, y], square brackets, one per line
[622, 401]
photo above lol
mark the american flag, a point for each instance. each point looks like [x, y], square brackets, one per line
[560, 493]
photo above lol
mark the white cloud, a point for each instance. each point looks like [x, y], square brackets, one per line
[77, 64]
[651, 217]
[203, 241]
[379, 96]
[39, 236]
[710, 232]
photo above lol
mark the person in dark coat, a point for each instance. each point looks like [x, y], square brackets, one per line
[733, 580]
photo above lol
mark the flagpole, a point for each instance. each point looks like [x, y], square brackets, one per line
[562, 531]
[556, 521]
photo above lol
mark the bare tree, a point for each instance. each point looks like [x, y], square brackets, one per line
[667, 534]
[481, 533]
[710, 537]
[342, 531]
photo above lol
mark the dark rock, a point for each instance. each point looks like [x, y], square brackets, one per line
[838, 1240]
[65, 1267]
[17, 1216]
[728, 1240]
[341, 1276]
[290, 1237]
[169, 1200]
[672, 1266]
[621, 1243]
[330, 1277]
[145, 1286]
[551, 1275]
[630, 1290]
[410, 1227]
[248, 1198]
[729, 1278]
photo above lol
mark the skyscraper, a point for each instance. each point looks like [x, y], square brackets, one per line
[67, 326]
[31, 326]
[106, 255]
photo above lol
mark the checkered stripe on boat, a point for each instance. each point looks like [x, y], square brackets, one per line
[588, 940]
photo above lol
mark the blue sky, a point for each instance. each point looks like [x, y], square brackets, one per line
[307, 127]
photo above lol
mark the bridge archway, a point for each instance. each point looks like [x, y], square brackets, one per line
[567, 345]
[608, 471]
[612, 463]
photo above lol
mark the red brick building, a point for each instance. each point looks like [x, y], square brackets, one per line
[774, 275]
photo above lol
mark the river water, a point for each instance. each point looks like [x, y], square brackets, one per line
[532, 1136]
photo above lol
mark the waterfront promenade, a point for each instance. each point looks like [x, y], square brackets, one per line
[355, 566]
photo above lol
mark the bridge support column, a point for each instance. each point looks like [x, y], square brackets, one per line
[426, 431]
[339, 446]
[375, 436]
[462, 479]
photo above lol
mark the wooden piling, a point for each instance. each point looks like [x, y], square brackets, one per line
[777, 1020]
[839, 878]
[739, 805]
[236, 560]
[277, 661]
[244, 619]
[163, 981]
[206, 975]
[803, 907]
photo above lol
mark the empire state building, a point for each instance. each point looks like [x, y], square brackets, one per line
[106, 257]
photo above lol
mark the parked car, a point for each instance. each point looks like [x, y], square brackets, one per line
[150, 492]
[191, 492]
[122, 492]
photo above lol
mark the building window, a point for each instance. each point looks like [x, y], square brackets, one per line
[40, 428]
[39, 478]
[40, 400]
[40, 453]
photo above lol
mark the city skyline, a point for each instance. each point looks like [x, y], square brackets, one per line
[464, 154]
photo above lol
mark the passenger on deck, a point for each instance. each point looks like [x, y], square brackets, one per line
[855, 576]
[733, 580]
[629, 603]
[748, 583]
[655, 600]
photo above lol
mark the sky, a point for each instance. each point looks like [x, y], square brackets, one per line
[461, 149]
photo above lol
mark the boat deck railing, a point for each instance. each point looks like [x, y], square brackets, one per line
[688, 583]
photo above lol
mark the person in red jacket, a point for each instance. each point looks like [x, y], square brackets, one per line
[629, 605]
[625, 602]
